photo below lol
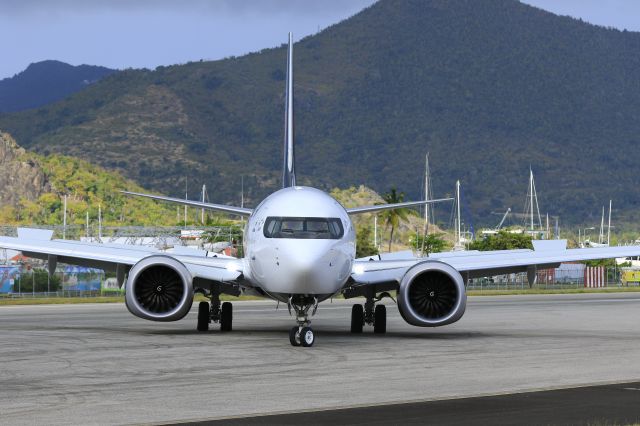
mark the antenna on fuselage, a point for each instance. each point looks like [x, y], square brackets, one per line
[288, 173]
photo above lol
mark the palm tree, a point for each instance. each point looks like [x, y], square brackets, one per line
[393, 217]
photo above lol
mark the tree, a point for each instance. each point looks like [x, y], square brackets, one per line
[364, 246]
[433, 243]
[392, 217]
[40, 278]
[503, 240]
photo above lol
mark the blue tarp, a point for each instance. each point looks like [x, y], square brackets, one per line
[8, 277]
[79, 278]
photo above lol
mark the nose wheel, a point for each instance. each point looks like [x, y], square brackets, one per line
[302, 334]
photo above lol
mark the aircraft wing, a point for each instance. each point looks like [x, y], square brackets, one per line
[474, 264]
[114, 257]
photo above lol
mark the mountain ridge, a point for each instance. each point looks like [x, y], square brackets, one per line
[45, 82]
[487, 88]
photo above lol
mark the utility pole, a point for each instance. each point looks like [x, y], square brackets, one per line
[204, 189]
[375, 231]
[100, 222]
[185, 197]
[547, 234]
[87, 225]
[242, 197]
[64, 220]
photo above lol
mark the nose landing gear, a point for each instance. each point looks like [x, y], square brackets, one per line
[302, 334]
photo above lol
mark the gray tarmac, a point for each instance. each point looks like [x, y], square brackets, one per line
[97, 364]
[617, 404]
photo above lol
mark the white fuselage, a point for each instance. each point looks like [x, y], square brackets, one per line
[293, 259]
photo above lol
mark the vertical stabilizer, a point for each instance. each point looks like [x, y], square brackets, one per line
[288, 170]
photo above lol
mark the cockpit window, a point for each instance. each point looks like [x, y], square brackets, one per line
[303, 228]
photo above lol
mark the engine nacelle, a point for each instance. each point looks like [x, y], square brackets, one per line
[159, 288]
[432, 294]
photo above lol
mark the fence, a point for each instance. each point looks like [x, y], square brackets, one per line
[567, 276]
[67, 282]
[86, 282]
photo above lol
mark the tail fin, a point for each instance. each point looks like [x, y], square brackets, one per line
[288, 171]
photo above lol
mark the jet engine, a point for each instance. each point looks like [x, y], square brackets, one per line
[432, 294]
[159, 288]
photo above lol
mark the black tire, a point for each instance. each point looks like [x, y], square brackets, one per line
[203, 316]
[226, 316]
[307, 338]
[357, 318]
[294, 338]
[380, 320]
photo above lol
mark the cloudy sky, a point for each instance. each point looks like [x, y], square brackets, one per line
[147, 33]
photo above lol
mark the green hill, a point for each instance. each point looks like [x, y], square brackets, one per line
[87, 187]
[488, 88]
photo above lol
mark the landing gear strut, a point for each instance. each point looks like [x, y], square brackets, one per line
[215, 312]
[302, 334]
[370, 314]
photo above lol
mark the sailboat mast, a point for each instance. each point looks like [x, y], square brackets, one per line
[458, 213]
[601, 236]
[609, 227]
[426, 191]
[531, 196]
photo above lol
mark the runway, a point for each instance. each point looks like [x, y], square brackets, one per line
[97, 364]
[593, 405]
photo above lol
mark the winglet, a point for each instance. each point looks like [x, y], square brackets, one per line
[549, 245]
[288, 170]
[380, 207]
[35, 234]
[198, 204]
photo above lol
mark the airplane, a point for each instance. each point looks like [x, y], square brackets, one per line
[299, 246]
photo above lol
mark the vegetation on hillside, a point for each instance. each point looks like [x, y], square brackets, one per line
[87, 188]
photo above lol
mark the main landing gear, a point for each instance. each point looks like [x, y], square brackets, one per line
[302, 334]
[215, 312]
[370, 314]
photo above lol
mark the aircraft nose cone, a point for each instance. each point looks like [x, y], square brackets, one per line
[311, 269]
